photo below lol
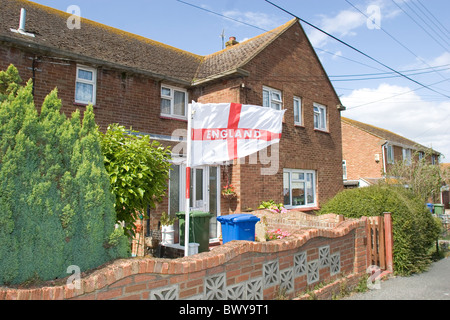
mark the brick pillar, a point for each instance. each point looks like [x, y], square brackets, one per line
[361, 253]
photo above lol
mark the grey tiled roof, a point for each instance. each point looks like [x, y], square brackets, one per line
[113, 47]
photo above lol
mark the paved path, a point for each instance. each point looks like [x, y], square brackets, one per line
[431, 285]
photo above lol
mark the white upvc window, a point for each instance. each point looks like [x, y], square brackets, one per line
[86, 85]
[299, 188]
[390, 154]
[407, 156]
[298, 111]
[272, 98]
[173, 102]
[320, 117]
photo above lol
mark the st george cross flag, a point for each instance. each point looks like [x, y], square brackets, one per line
[227, 131]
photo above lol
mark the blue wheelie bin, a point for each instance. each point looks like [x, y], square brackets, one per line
[238, 227]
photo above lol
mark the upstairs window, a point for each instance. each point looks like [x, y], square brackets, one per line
[320, 117]
[272, 98]
[86, 85]
[298, 111]
[173, 102]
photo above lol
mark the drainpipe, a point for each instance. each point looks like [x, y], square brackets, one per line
[384, 157]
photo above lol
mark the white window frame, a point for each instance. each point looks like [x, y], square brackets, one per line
[390, 154]
[320, 113]
[291, 180]
[171, 98]
[273, 101]
[92, 82]
[407, 156]
[298, 111]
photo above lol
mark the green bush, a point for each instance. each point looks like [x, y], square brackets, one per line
[414, 229]
[56, 208]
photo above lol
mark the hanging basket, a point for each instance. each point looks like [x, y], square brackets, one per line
[229, 195]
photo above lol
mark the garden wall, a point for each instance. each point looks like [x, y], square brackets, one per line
[235, 270]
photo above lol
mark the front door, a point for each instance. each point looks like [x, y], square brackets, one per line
[204, 188]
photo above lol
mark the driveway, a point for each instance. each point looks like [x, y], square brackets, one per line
[431, 285]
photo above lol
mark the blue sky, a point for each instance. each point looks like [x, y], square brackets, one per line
[409, 36]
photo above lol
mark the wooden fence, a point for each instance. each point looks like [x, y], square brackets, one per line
[380, 242]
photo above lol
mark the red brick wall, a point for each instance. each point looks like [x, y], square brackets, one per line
[359, 149]
[250, 264]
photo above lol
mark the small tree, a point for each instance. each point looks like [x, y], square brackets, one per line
[138, 170]
[56, 209]
[422, 177]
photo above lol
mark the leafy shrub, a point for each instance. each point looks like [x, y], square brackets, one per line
[56, 209]
[138, 169]
[414, 229]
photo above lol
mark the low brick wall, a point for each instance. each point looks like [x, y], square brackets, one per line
[236, 270]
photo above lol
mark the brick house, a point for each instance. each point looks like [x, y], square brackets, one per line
[368, 151]
[145, 84]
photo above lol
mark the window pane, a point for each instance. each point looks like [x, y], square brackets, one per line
[310, 188]
[198, 184]
[85, 75]
[266, 99]
[165, 92]
[287, 188]
[297, 111]
[84, 92]
[298, 193]
[298, 176]
[165, 106]
[276, 106]
[213, 179]
[276, 96]
[323, 120]
[174, 191]
[179, 107]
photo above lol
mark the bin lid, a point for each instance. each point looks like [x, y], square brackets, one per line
[438, 205]
[195, 214]
[238, 217]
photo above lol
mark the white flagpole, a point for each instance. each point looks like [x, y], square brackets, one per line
[188, 181]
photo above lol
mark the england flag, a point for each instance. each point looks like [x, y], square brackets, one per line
[227, 131]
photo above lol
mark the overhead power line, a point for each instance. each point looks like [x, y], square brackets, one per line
[395, 39]
[355, 49]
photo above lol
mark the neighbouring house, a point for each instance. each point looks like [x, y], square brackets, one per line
[146, 85]
[368, 151]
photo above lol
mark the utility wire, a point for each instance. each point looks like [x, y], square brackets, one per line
[445, 31]
[393, 38]
[414, 20]
[355, 49]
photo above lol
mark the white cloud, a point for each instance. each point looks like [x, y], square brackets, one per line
[341, 25]
[408, 114]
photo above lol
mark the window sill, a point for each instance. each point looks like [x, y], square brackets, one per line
[82, 104]
[168, 117]
[298, 125]
[323, 131]
[303, 209]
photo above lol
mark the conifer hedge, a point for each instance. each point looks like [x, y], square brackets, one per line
[56, 208]
[414, 228]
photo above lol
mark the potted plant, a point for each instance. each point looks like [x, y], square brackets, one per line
[228, 191]
[167, 229]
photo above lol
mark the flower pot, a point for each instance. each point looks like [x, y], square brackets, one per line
[229, 195]
[168, 234]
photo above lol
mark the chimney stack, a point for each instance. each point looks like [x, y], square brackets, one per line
[231, 42]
